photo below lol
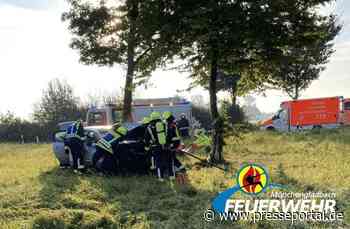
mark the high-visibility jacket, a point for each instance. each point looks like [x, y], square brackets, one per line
[172, 132]
[156, 131]
[108, 140]
[75, 130]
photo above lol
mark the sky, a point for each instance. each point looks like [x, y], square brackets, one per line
[34, 49]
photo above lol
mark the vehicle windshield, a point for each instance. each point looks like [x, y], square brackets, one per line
[277, 115]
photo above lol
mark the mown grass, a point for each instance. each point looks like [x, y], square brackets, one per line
[34, 193]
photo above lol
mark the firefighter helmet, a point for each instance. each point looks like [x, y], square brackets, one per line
[155, 115]
[122, 131]
[166, 115]
[146, 120]
[115, 126]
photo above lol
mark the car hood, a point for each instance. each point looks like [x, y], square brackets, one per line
[266, 122]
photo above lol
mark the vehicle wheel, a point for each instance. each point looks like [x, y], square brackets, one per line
[270, 128]
[317, 127]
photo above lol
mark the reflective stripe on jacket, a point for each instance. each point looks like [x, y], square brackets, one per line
[157, 133]
[73, 131]
[107, 140]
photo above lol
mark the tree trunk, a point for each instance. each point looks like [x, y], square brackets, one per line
[128, 90]
[129, 85]
[234, 99]
[217, 137]
[296, 92]
[233, 94]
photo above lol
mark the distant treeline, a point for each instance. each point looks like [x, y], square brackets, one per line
[14, 129]
[58, 104]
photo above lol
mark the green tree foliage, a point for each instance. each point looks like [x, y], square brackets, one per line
[240, 37]
[234, 120]
[250, 79]
[124, 32]
[58, 104]
[234, 113]
[9, 130]
[15, 129]
[302, 62]
[229, 83]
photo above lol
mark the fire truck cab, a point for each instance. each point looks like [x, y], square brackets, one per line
[107, 115]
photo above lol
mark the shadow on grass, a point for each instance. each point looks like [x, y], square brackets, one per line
[56, 183]
[91, 201]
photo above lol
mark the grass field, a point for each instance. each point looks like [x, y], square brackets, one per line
[34, 193]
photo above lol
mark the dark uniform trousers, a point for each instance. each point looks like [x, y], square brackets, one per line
[76, 146]
[104, 161]
[163, 161]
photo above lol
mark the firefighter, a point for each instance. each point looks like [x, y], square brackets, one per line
[172, 130]
[60, 136]
[156, 139]
[145, 123]
[184, 126]
[106, 158]
[74, 142]
[173, 140]
[173, 137]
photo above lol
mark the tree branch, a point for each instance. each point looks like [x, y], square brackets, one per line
[142, 55]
